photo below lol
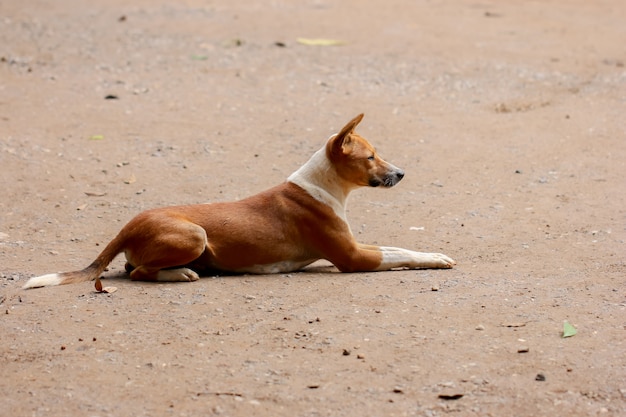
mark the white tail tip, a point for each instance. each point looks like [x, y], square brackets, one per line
[43, 281]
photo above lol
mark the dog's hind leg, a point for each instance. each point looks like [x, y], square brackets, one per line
[162, 257]
[143, 273]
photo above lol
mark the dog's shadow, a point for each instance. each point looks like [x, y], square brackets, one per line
[313, 269]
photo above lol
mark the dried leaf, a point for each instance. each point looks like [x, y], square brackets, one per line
[82, 207]
[319, 42]
[568, 329]
[96, 137]
[107, 290]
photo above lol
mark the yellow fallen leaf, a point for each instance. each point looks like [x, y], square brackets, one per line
[96, 137]
[319, 42]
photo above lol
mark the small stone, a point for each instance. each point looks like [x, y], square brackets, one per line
[480, 327]
[523, 349]
[540, 377]
[449, 397]
[435, 288]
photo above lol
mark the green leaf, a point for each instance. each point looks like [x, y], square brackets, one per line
[568, 329]
[96, 137]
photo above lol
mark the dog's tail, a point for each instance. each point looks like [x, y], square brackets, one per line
[90, 273]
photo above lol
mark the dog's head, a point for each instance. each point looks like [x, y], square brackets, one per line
[356, 160]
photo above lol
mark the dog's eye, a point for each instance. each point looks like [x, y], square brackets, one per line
[370, 158]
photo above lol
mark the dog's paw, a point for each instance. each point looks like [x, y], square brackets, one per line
[177, 275]
[190, 275]
[442, 261]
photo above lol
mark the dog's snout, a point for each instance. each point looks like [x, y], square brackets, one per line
[395, 177]
[390, 179]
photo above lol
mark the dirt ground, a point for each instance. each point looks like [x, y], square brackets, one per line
[508, 118]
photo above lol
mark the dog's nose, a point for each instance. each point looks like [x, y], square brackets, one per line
[400, 174]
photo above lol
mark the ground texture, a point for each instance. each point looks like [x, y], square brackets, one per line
[508, 118]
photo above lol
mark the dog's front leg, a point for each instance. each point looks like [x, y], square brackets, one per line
[361, 258]
[404, 258]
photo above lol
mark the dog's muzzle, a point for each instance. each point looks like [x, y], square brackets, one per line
[389, 180]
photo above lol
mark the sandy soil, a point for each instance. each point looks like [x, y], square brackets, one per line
[509, 121]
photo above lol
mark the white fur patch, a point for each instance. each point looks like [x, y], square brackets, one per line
[43, 281]
[404, 258]
[316, 177]
[276, 268]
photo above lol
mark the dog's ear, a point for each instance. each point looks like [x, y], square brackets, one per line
[342, 140]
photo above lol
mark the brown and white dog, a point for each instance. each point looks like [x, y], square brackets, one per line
[282, 229]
